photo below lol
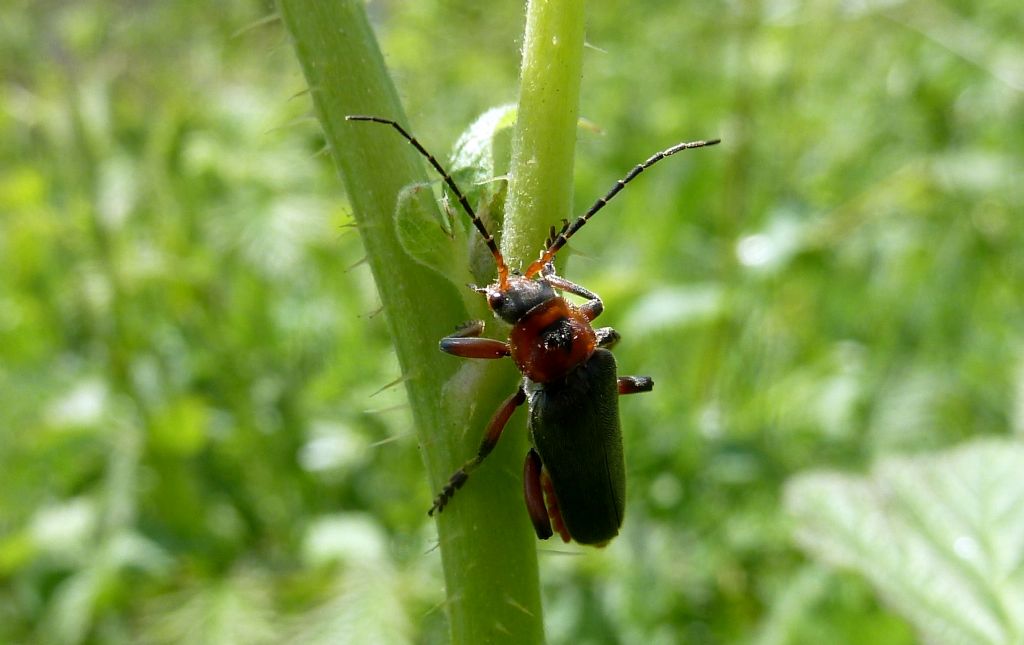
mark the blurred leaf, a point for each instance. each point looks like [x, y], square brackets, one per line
[74, 602]
[235, 610]
[365, 607]
[675, 308]
[181, 429]
[1017, 411]
[65, 530]
[941, 537]
[365, 601]
[350, 538]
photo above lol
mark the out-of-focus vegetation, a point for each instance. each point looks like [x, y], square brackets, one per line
[191, 447]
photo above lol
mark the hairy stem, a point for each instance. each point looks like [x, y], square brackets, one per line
[544, 141]
[486, 541]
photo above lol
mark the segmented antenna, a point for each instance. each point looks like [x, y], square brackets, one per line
[477, 222]
[568, 230]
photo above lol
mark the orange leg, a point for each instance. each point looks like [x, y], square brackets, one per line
[534, 494]
[592, 308]
[553, 510]
[466, 343]
[494, 429]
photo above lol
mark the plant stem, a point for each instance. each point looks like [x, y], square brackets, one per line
[487, 544]
[544, 141]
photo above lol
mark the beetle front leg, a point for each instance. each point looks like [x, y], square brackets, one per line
[635, 384]
[494, 429]
[468, 329]
[466, 343]
[607, 337]
[592, 308]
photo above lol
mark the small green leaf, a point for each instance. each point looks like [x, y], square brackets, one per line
[427, 237]
[940, 537]
[480, 161]
[485, 146]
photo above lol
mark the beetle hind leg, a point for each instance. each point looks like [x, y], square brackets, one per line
[494, 430]
[533, 491]
[554, 512]
[537, 488]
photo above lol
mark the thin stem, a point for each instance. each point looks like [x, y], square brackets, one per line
[544, 141]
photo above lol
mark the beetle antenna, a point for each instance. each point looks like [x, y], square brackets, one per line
[477, 222]
[569, 230]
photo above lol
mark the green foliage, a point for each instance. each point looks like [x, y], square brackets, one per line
[939, 536]
[188, 342]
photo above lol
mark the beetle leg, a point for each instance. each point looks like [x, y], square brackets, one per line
[534, 494]
[635, 384]
[592, 308]
[466, 343]
[494, 429]
[468, 329]
[606, 337]
[553, 510]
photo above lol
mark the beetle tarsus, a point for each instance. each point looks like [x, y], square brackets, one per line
[494, 430]
[454, 483]
[607, 337]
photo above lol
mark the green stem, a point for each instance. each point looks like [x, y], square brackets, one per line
[486, 541]
[544, 141]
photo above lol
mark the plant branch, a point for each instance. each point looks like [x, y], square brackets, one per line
[544, 141]
[487, 544]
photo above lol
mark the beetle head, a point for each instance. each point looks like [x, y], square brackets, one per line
[519, 295]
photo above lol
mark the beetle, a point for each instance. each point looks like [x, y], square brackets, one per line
[574, 476]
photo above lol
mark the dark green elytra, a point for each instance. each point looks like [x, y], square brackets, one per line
[574, 425]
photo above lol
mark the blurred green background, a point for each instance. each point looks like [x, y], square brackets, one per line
[193, 447]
